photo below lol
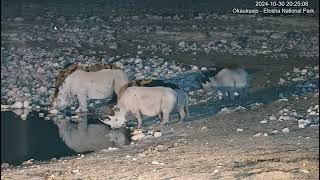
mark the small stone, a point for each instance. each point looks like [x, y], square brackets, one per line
[138, 137]
[312, 113]
[204, 69]
[265, 134]
[17, 105]
[112, 148]
[26, 104]
[18, 19]
[157, 134]
[239, 130]
[75, 171]
[282, 81]
[182, 44]
[40, 70]
[54, 111]
[304, 71]
[155, 162]
[42, 90]
[272, 118]
[263, 121]
[307, 122]
[257, 135]
[41, 114]
[285, 130]
[301, 124]
[274, 132]
[225, 110]
[204, 127]
[195, 68]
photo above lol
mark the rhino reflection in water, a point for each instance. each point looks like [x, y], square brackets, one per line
[84, 137]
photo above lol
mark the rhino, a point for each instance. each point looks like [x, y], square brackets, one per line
[148, 101]
[230, 81]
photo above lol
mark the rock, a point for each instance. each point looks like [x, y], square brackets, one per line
[26, 104]
[11, 93]
[17, 105]
[285, 130]
[263, 121]
[204, 69]
[301, 123]
[265, 134]
[42, 90]
[41, 114]
[137, 135]
[239, 130]
[161, 148]
[151, 132]
[282, 81]
[75, 171]
[195, 68]
[274, 132]
[182, 44]
[36, 98]
[157, 134]
[5, 106]
[18, 19]
[157, 163]
[304, 71]
[272, 118]
[54, 111]
[225, 110]
[257, 135]
[40, 70]
[307, 122]
[312, 113]
[204, 127]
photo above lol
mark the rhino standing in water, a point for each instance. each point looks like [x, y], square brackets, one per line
[230, 81]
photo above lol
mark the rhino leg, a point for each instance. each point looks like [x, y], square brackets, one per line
[165, 119]
[186, 110]
[82, 98]
[182, 114]
[244, 93]
[139, 119]
[159, 116]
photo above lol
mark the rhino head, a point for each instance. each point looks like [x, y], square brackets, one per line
[118, 119]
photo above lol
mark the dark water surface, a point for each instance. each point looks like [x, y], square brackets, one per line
[40, 139]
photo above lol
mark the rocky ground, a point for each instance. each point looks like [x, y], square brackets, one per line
[275, 139]
[243, 144]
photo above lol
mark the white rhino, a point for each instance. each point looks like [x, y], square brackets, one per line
[90, 85]
[148, 101]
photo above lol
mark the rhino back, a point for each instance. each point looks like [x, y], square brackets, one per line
[148, 100]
